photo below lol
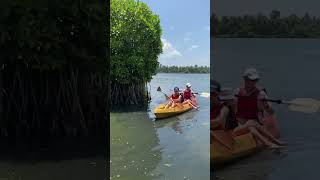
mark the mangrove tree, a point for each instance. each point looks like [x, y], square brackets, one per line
[53, 70]
[135, 42]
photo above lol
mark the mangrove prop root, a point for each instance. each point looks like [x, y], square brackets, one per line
[52, 102]
[132, 94]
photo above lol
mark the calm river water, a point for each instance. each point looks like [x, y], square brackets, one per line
[174, 148]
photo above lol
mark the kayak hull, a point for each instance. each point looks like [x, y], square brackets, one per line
[160, 111]
[225, 148]
[241, 146]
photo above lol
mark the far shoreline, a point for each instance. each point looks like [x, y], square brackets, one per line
[178, 73]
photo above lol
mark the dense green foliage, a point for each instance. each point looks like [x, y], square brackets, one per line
[53, 79]
[52, 34]
[135, 41]
[256, 26]
[183, 69]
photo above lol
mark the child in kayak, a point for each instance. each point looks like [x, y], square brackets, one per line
[221, 116]
[250, 108]
[189, 97]
[175, 98]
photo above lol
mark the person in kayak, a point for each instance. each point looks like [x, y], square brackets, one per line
[188, 96]
[174, 98]
[221, 114]
[250, 107]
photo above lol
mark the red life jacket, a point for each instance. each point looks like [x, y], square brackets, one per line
[173, 96]
[187, 94]
[247, 107]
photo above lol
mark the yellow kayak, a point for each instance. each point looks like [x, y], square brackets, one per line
[160, 111]
[224, 150]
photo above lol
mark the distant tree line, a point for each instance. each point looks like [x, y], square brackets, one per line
[183, 69]
[262, 26]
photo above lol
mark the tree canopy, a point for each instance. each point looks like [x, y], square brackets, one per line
[48, 35]
[260, 25]
[135, 42]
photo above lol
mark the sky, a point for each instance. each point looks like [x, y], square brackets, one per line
[286, 7]
[185, 31]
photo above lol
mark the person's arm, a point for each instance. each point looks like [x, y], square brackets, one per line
[221, 119]
[235, 99]
[265, 105]
[192, 93]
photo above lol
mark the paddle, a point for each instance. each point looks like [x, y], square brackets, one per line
[203, 94]
[159, 90]
[306, 105]
[167, 97]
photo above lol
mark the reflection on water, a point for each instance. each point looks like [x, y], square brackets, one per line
[172, 148]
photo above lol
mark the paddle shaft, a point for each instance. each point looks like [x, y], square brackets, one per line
[192, 93]
[278, 101]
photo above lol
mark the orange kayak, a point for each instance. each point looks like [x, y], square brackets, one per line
[225, 148]
[162, 112]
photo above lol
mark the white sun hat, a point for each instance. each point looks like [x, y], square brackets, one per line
[188, 85]
[251, 73]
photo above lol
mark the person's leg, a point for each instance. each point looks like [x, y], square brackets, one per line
[269, 135]
[180, 105]
[264, 132]
[240, 130]
[260, 137]
[270, 124]
[186, 101]
[168, 105]
[251, 127]
[194, 100]
[173, 104]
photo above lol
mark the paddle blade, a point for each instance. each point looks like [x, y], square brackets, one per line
[306, 105]
[205, 94]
